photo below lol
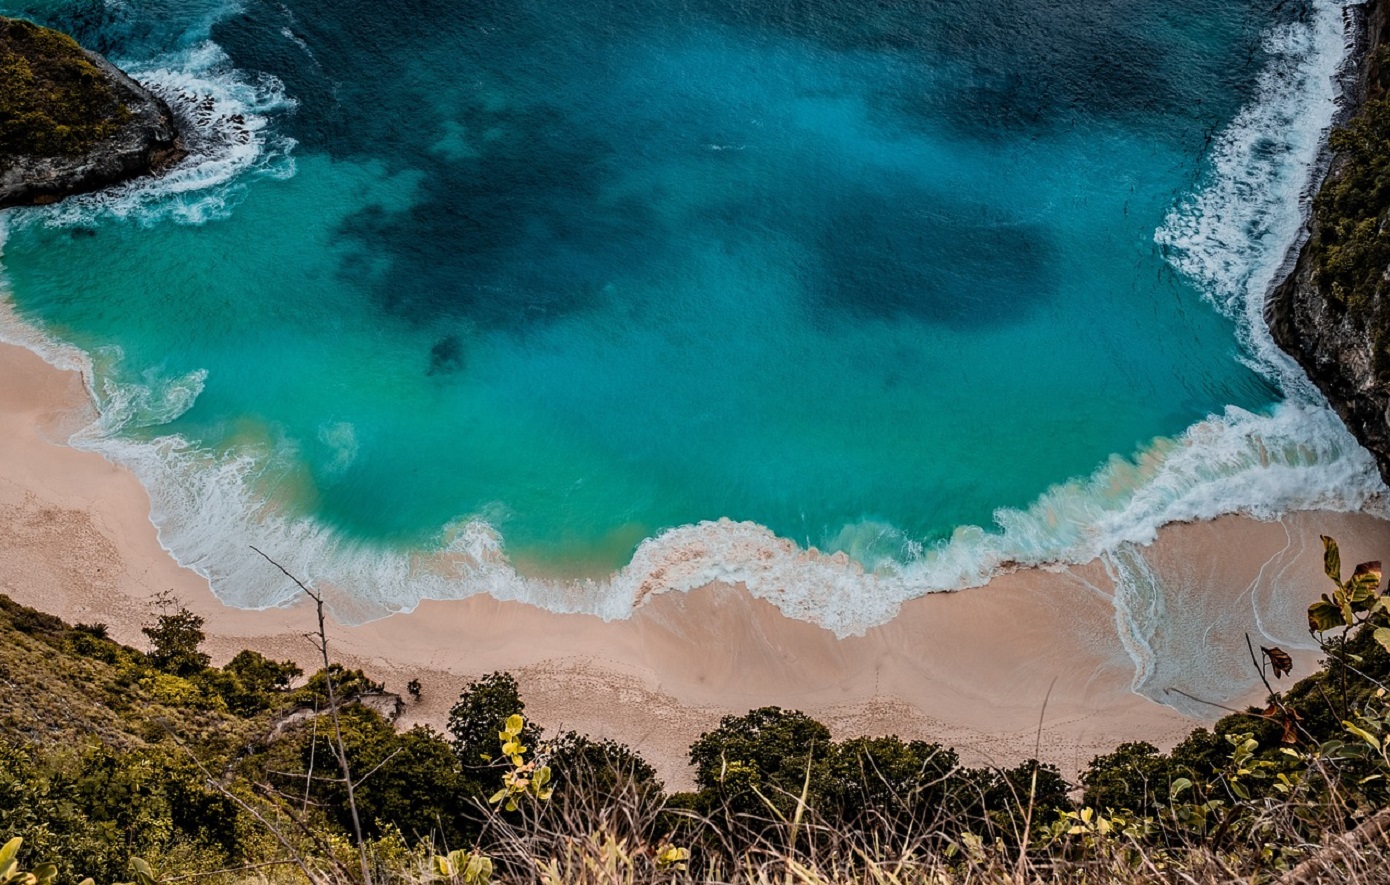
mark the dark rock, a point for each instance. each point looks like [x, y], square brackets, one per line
[146, 144]
[1338, 347]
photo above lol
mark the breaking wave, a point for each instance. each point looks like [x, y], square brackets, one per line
[224, 119]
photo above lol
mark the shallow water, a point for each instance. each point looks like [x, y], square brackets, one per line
[536, 282]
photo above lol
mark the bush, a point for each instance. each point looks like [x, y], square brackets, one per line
[175, 638]
[480, 713]
[347, 684]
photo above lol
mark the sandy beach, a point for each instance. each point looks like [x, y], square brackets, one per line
[979, 669]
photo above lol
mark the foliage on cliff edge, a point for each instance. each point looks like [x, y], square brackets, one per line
[1351, 245]
[53, 100]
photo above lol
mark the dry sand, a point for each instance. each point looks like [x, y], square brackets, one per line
[972, 669]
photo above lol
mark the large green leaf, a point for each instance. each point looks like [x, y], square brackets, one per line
[1382, 635]
[1331, 559]
[1363, 585]
[8, 857]
[144, 873]
[1324, 615]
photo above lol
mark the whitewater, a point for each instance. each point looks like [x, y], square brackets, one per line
[1230, 235]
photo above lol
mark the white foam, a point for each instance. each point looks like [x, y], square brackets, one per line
[1229, 236]
[209, 509]
[1232, 234]
[224, 120]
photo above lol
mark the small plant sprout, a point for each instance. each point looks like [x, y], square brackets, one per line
[523, 777]
[671, 857]
[464, 867]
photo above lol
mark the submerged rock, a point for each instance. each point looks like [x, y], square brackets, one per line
[1332, 312]
[71, 122]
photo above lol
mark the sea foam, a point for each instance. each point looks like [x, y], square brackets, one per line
[1230, 236]
[224, 121]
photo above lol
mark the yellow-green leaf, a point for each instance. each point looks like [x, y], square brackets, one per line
[479, 869]
[1179, 786]
[1331, 559]
[1364, 582]
[1364, 735]
[9, 857]
[1344, 603]
[144, 873]
[1382, 635]
[1324, 615]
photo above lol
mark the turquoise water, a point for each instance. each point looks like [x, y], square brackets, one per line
[577, 274]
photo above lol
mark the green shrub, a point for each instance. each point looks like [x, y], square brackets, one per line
[480, 713]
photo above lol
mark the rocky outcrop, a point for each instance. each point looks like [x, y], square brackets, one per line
[1340, 342]
[388, 705]
[145, 143]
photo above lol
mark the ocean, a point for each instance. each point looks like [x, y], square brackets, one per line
[572, 302]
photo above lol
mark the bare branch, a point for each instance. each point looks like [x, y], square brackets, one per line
[340, 750]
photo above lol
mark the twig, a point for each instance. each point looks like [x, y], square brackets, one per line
[313, 751]
[1289, 715]
[377, 767]
[1193, 697]
[339, 748]
[1033, 787]
[1320, 867]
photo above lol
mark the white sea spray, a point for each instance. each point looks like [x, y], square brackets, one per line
[224, 121]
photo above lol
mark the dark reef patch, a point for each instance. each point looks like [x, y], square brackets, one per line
[518, 235]
[447, 356]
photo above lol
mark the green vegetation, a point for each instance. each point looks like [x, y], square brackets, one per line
[153, 766]
[1350, 249]
[53, 100]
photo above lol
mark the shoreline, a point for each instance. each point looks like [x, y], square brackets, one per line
[975, 669]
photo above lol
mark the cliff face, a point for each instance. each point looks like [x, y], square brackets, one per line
[71, 122]
[1332, 312]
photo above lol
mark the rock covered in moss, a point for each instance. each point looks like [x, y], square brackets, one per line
[70, 121]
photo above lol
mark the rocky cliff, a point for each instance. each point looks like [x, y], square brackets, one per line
[1332, 312]
[71, 122]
